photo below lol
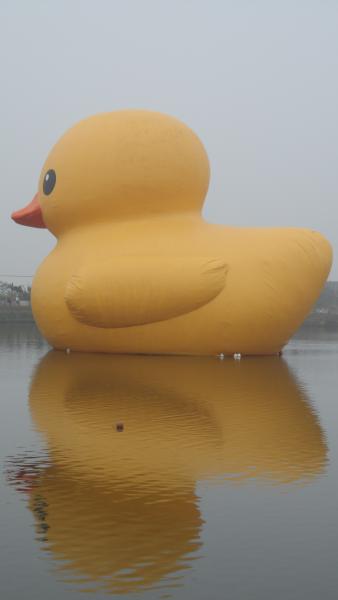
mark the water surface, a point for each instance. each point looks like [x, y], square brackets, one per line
[168, 477]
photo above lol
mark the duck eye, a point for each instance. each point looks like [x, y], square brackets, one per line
[49, 182]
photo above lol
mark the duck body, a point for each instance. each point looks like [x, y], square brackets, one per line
[136, 269]
[262, 296]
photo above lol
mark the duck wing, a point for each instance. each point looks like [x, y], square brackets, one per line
[131, 290]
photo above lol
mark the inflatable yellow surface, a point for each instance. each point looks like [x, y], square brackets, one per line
[119, 510]
[136, 268]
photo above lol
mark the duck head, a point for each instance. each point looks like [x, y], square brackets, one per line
[119, 165]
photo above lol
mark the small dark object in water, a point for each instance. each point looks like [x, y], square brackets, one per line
[119, 427]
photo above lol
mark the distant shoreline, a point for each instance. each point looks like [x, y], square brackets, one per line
[323, 316]
[12, 313]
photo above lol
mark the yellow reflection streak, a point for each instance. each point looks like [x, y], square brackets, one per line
[119, 507]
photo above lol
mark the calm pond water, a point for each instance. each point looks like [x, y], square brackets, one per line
[167, 477]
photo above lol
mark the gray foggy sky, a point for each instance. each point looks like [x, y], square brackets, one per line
[257, 81]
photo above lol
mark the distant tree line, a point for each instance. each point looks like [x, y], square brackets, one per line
[14, 294]
[325, 312]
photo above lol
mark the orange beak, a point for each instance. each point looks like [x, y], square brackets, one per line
[31, 215]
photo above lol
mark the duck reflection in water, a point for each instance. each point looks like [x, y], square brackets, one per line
[117, 505]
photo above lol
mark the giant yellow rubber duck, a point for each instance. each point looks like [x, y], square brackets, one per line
[118, 509]
[136, 269]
